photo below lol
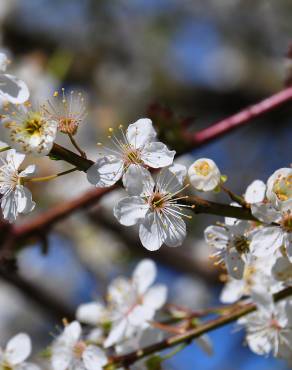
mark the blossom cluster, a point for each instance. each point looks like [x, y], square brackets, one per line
[255, 252]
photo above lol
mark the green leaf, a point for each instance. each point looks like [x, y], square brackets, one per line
[154, 363]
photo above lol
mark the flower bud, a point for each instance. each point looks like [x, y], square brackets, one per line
[204, 175]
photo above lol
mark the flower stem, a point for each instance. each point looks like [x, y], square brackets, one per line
[52, 177]
[76, 146]
[236, 198]
[4, 149]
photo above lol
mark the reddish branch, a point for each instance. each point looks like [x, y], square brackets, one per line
[239, 119]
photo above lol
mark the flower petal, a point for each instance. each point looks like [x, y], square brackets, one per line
[140, 315]
[234, 264]
[144, 275]
[13, 89]
[175, 229]
[18, 349]
[265, 212]
[140, 132]
[9, 207]
[156, 296]
[30, 170]
[24, 201]
[266, 241]
[116, 334]
[130, 210]
[14, 158]
[91, 313]
[94, 358]
[105, 172]
[156, 155]
[152, 232]
[138, 181]
[255, 192]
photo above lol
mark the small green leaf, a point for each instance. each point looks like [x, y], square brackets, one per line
[223, 178]
[154, 363]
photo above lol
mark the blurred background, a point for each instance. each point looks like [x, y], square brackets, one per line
[168, 60]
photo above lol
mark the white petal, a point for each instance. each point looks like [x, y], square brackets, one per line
[15, 158]
[30, 170]
[94, 358]
[4, 61]
[144, 275]
[90, 313]
[116, 334]
[266, 241]
[137, 180]
[179, 170]
[140, 315]
[234, 264]
[175, 229]
[62, 356]
[168, 181]
[156, 155]
[9, 207]
[140, 132]
[71, 333]
[255, 192]
[130, 210]
[155, 297]
[265, 212]
[282, 269]
[152, 232]
[105, 172]
[232, 291]
[18, 349]
[259, 344]
[216, 236]
[24, 201]
[13, 89]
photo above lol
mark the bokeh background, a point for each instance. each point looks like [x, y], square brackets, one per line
[168, 59]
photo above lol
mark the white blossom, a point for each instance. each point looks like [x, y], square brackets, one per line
[68, 110]
[269, 329]
[70, 351]
[17, 350]
[131, 303]
[16, 198]
[231, 245]
[12, 89]
[135, 148]
[279, 189]
[204, 174]
[29, 131]
[155, 206]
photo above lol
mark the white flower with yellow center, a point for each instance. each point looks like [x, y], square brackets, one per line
[16, 198]
[15, 353]
[204, 175]
[68, 110]
[279, 189]
[155, 206]
[29, 131]
[135, 148]
[12, 89]
[70, 351]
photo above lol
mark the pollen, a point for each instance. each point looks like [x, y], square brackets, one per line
[203, 168]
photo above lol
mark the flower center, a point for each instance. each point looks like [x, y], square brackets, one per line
[33, 124]
[286, 222]
[241, 244]
[79, 348]
[68, 125]
[283, 187]
[132, 155]
[274, 324]
[157, 201]
[203, 168]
